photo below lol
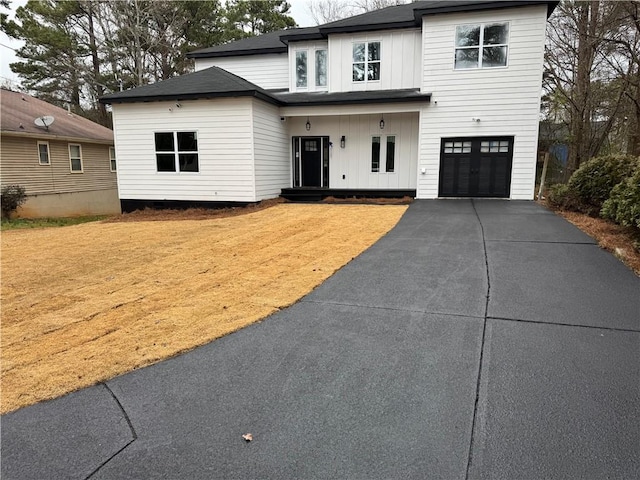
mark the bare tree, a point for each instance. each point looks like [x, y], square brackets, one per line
[584, 79]
[325, 11]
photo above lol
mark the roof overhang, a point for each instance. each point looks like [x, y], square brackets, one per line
[191, 96]
[352, 98]
[44, 136]
[236, 53]
[473, 7]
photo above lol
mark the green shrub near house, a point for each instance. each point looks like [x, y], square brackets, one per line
[590, 186]
[11, 197]
[623, 205]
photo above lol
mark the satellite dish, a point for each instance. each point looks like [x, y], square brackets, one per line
[44, 121]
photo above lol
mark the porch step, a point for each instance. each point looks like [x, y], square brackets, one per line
[311, 194]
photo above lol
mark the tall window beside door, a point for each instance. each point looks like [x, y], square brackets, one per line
[383, 160]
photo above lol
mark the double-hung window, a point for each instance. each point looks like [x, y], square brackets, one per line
[383, 160]
[112, 159]
[176, 151]
[366, 62]
[75, 158]
[43, 153]
[482, 46]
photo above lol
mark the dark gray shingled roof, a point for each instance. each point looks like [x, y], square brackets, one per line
[211, 82]
[351, 98]
[399, 16]
[267, 43]
[215, 82]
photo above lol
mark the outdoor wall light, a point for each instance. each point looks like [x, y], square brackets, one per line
[308, 125]
[178, 105]
[475, 119]
[343, 141]
[382, 123]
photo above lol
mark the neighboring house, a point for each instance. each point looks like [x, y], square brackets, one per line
[67, 167]
[431, 99]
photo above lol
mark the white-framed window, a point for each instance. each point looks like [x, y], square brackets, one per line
[494, 146]
[176, 151]
[383, 154]
[366, 62]
[112, 159]
[457, 147]
[321, 68]
[43, 153]
[301, 69]
[75, 158]
[482, 45]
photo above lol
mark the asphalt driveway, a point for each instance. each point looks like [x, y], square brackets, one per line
[478, 339]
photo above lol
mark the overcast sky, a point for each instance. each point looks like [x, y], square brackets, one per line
[299, 12]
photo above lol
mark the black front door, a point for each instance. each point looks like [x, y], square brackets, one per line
[311, 162]
[476, 167]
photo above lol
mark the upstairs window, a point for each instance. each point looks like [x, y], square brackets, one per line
[482, 46]
[321, 68]
[301, 69]
[176, 151]
[43, 153]
[366, 62]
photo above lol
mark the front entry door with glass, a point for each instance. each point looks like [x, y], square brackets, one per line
[311, 162]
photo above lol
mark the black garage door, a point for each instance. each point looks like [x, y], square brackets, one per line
[476, 167]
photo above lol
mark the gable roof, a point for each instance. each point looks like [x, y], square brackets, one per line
[19, 110]
[212, 82]
[408, 15]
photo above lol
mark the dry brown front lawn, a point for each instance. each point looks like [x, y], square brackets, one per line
[82, 304]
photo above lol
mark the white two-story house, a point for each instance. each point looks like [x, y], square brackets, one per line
[429, 99]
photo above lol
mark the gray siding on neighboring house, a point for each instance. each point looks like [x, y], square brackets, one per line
[20, 166]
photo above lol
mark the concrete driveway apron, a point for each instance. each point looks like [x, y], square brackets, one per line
[478, 339]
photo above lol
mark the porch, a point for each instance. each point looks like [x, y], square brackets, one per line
[316, 194]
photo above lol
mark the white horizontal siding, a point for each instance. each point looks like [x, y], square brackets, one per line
[225, 150]
[271, 151]
[400, 59]
[270, 71]
[354, 161]
[507, 100]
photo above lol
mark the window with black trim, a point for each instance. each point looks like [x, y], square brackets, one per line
[383, 156]
[366, 61]
[43, 153]
[481, 46]
[176, 151]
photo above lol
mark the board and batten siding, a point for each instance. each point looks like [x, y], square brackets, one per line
[225, 150]
[269, 71]
[354, 161]
[20, 166]
[400, 54]
[505, 99]
[271, 151]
